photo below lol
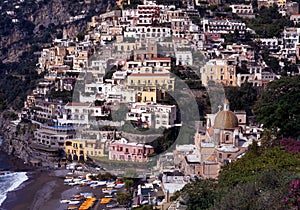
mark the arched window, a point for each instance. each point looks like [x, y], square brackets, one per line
[227, 137]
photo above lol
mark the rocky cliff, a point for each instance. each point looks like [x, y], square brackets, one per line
[25, 28]
[29, 23]
[15, 140]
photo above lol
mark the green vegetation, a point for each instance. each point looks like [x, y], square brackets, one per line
[267, 176]
[14, 89]
[161, 144]
[278, 108]
[129, 183]
[9, 115]
[259, 180]
[21, 40]
[123, 198]
[242, 98]
[268, 23]
[272, 62]
[257, 160]
[65, 96]
[200, 194]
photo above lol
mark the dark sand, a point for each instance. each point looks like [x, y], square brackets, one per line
[41, 191]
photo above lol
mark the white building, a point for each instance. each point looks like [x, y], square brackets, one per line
[270, 43]
[82, 113]
[223, 26]
[242, 10]
[154, 115]
[148, 14]
[184, 57]
[291, 37]
[142, 32]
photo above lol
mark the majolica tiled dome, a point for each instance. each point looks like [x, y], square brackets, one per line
[226, 119]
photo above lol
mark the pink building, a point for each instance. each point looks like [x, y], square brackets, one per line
[125, 151]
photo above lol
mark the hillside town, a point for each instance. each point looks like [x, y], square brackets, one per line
[105, 96]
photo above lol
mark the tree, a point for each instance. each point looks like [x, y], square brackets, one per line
[128, 184]
[269, 22]
[264, 178]
[266, 191]
[242, 98]
[246, 169]
[291, 145]
[123, 198]
[80, 37]
[199, 194]
[278, 108]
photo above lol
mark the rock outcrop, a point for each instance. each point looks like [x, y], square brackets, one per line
[37, 23]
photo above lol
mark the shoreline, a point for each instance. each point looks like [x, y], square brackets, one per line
[42, 189]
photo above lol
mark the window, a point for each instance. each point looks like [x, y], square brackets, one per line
[68, 143]
[227, 137]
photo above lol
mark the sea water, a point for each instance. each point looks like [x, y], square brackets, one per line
[9, 180]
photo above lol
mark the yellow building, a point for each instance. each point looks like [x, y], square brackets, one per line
[266, 3]
[142, 81]
[80, 149]
[281, 3]
[219, 71]
[94, 148]
[152, 95]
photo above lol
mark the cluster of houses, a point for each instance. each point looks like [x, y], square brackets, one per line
[126, 60]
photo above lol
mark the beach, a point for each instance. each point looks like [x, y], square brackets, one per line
[42, 190]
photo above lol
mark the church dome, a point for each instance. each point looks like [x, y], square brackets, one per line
[226, 119]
